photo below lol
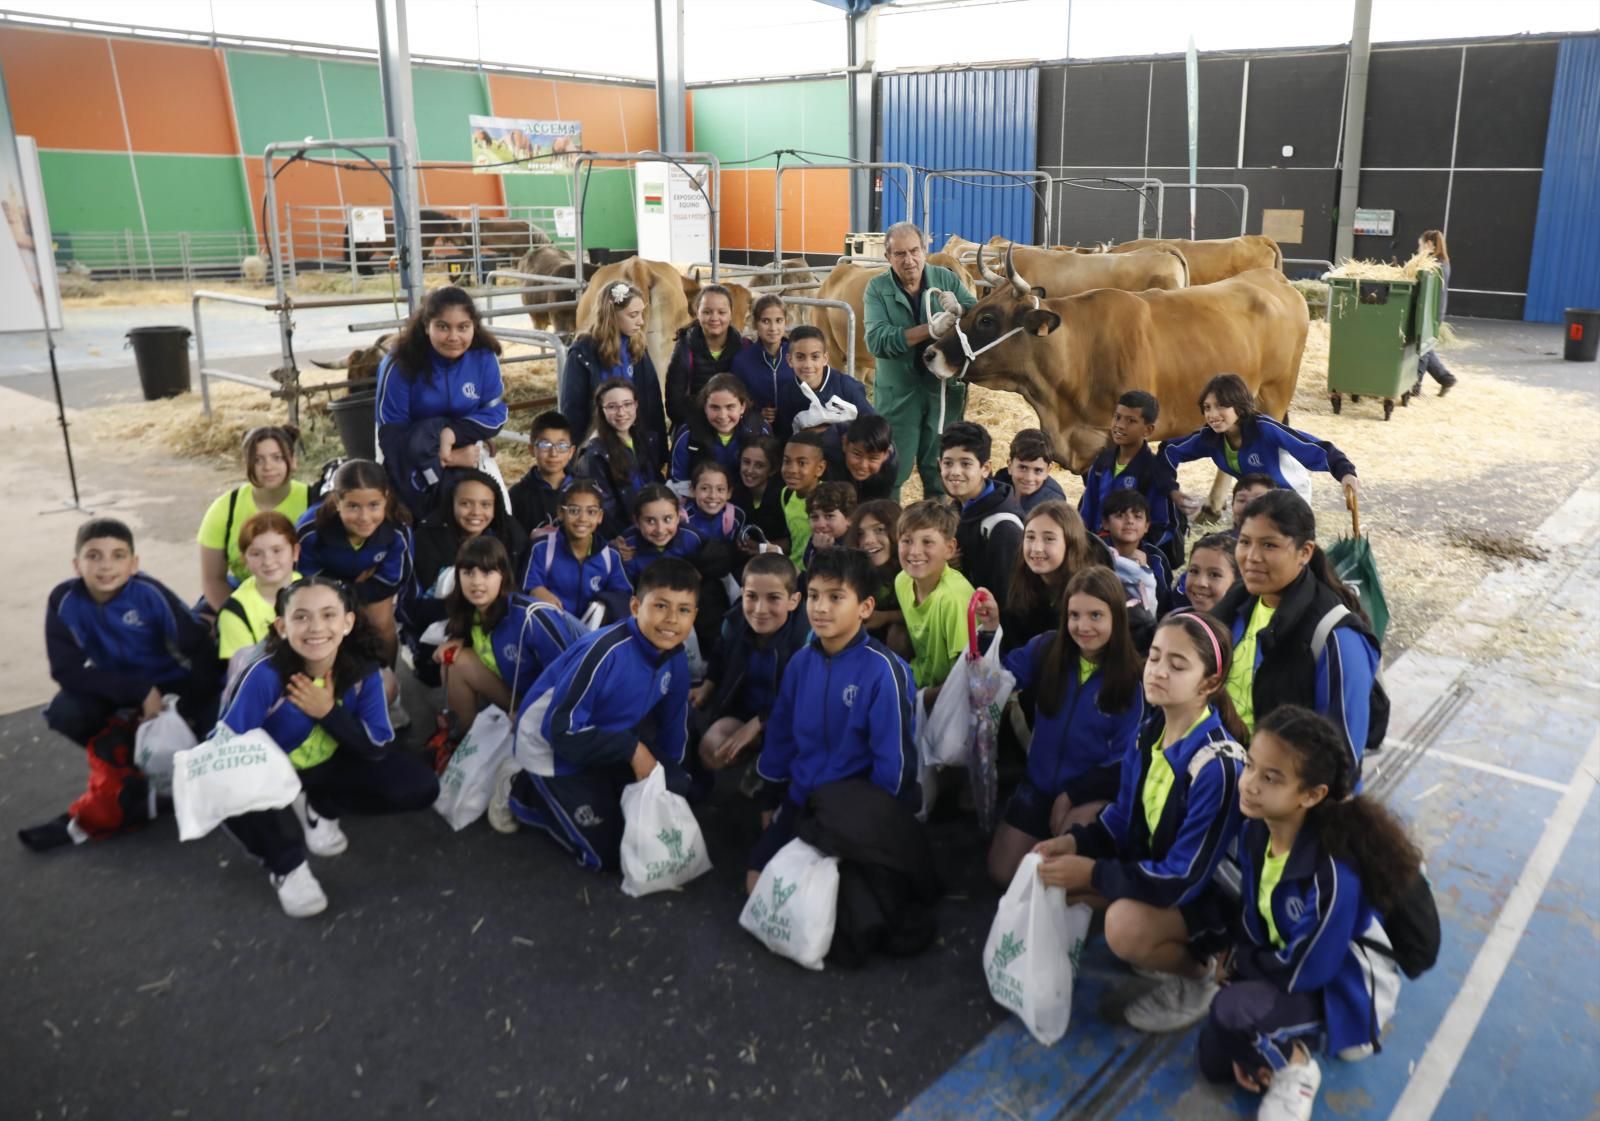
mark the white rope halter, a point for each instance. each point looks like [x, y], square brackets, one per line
[966, 347]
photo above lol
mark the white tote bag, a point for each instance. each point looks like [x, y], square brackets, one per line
[468, 779]
[229, 775]
[796, 900]
[1032, 952]
[662, 847]
[157, 741]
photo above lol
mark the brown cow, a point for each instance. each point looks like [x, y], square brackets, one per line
[1071, 357]
[549, 260]
[1069, 273]
[362, 363]
[442, 238]
[666, 306]
[848, 282]
[1213, 259]
[798, 280]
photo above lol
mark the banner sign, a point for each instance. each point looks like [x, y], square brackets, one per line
[513, 146]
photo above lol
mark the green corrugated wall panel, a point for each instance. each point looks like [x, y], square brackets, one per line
[444, 99]
[355, 101]
[192, 193]
[607, 212]
[89, 191]
[737, 123]
[275, 97]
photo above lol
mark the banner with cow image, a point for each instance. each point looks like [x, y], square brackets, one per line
[513, 146]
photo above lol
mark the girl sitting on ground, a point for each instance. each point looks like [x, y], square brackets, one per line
[572, 568]
[621, 456]
[271, 547]
[722, 426]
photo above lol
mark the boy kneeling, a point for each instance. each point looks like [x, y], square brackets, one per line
[583, 726]
[844, 709]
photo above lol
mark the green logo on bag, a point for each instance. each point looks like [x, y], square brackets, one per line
[780, 893]
[1009, 950]
[673, 839]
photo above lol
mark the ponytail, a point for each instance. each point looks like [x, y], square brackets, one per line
[1352, 828]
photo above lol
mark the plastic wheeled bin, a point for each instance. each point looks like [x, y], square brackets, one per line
[1583, 334]
[162, 355]
[1376, 331]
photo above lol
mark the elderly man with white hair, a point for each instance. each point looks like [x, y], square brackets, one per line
[907, 307]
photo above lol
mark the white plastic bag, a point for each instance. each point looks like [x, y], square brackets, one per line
[796, 900]
[229, 775]
[662, 848]
[1032, 953]
[157, 741]
[468, 779]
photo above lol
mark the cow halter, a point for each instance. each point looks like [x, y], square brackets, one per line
[966, 343]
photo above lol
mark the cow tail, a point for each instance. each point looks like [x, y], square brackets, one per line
[1277, 254]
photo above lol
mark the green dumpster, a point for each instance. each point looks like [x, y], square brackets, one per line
[1376, 331]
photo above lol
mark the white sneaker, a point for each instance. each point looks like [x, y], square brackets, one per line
[323, 835]
[299, 893]
[501, 819]
[1292, 1094]
[1172, 1005]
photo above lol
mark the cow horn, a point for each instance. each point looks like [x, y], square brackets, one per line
[1017, 282]
[994, 278]
[331, 365]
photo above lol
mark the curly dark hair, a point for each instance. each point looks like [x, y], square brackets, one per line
[1353, 828]
[358, 652]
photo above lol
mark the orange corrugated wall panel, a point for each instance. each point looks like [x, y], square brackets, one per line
[61, 89]
[459, 188]
[827, 213]
[758, 190]
[512, 96]
[174, 98]
[735, 209]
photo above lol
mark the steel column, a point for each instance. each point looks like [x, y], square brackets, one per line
[671, 94]
[1355, 122]
[400, 118]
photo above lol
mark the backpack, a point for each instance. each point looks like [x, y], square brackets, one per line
[1413, 929]
[1378, 703]
[986, 527]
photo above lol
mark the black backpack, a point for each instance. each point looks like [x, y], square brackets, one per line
[1413, 929]
[1377, 704]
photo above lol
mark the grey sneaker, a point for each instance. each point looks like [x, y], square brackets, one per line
[1172, 1005]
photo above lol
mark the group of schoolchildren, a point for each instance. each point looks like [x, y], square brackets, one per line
[763, 528]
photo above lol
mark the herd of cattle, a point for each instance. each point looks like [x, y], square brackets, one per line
[1071, 328]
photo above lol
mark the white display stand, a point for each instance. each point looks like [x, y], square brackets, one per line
[673, 217]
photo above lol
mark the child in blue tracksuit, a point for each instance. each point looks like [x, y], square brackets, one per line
[440, 395]
[571, 568]
[496, 642]
[722, 425]
[1027, 470]
[815, 385]
[1242, 441]
[760, 635]
[1151, 855]
[361, 534]
[708, 510]
[765, 366]
[622, 456]
[1128, 463]
[602, 716]
[1312, 967]
[658, 531]
[117, 640]
[1287, 595]
[1125, 525]
[845, 708]
[1090, 705]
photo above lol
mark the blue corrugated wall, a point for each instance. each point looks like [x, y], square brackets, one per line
[1566, 242]
[963, 119]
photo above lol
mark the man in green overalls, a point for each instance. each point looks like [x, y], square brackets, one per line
[898, 331]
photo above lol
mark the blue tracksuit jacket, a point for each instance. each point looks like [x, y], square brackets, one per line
[359, 719]
[328, 552]
[690, 447]
[143, 636]
[1198, 822]
[1320, 910]
[467, 393]
[1148, 473]
[725, 525]
[792, 400]
[755, 367]
[601, 690]
[551, 565]
[529, 636]
[845, 716]
[584, 374]
[1264, 443]
[748, 668]
[686, 543]
[1049, 491]
[1080, 737]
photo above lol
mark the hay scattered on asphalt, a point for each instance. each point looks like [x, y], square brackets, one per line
[77, 291]
[1499, 546]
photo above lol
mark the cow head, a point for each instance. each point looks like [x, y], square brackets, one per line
[993, 339]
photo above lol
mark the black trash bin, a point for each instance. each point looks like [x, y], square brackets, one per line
[162, 355]
[1583, 334]
[356, 417]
